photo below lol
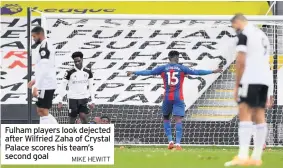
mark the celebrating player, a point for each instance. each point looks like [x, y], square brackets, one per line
[173, 77]
[44, 83]
[80, 82]
[252, 81]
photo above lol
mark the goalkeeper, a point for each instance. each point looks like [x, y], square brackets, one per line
[80, 82]
[173, 75]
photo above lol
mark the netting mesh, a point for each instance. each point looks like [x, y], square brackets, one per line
[112, 47]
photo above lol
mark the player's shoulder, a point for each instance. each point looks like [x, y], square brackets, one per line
[181, 66]
[242, 38]
[46, 45]
[68, 73]
[86, 69]
[163, 66]
[71, 71]
[160, 67]
[242, 35]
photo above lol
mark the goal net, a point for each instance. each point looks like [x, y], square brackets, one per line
[115, 44]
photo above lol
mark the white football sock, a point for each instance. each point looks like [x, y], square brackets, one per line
[254, 131]
[48, 120]
[259, 140]
[245, 134]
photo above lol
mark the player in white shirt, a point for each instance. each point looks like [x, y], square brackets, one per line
[251, 89]
[44, 83]
[80, 82]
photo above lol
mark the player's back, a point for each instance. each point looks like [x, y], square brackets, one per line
[173, 77]
[257, 55]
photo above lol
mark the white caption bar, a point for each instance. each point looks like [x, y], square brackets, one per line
[57, 144]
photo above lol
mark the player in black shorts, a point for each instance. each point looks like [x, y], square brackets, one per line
[253, 80]
[44, 83]
[80, 82]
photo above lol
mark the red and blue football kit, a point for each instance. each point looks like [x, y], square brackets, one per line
[173, 78]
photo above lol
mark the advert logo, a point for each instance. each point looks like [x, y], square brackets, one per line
[11, 9]
[75, 10]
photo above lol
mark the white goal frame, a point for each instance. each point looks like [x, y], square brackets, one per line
[158, 17]
[44, 16]
[254, 18]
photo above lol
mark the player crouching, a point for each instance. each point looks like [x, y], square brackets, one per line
[80, 82]
[173, 75]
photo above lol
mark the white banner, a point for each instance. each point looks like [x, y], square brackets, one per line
[113, 47]
[55, 144]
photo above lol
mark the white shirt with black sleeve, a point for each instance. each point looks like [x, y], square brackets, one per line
[255, 44]
[45, 70]
[80, 84]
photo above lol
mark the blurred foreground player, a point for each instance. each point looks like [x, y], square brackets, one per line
[251, 89]
[80, 82]
[44, 83]
[173, 75]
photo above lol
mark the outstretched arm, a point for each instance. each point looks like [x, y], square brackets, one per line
[190, 71]
[155, 71]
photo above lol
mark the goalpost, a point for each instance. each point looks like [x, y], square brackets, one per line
[114, 44]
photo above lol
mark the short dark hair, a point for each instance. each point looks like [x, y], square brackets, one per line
[238, 16]
[105, 117]
[37, 29]
[77, 54]
[173, 54]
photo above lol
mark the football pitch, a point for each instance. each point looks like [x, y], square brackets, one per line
[160, 157]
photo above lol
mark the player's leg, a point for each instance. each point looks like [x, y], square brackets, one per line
[261, 126]
[254, 130]
[178, 113]
[167, 111]
[245, 128]
[83, 110]
[73, 110]
[44, 103]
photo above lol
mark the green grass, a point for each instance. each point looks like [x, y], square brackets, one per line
[160, 157]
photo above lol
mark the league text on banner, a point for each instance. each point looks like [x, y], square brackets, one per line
[57, 144]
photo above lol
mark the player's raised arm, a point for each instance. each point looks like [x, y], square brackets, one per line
[189, 71]
[155, 71]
